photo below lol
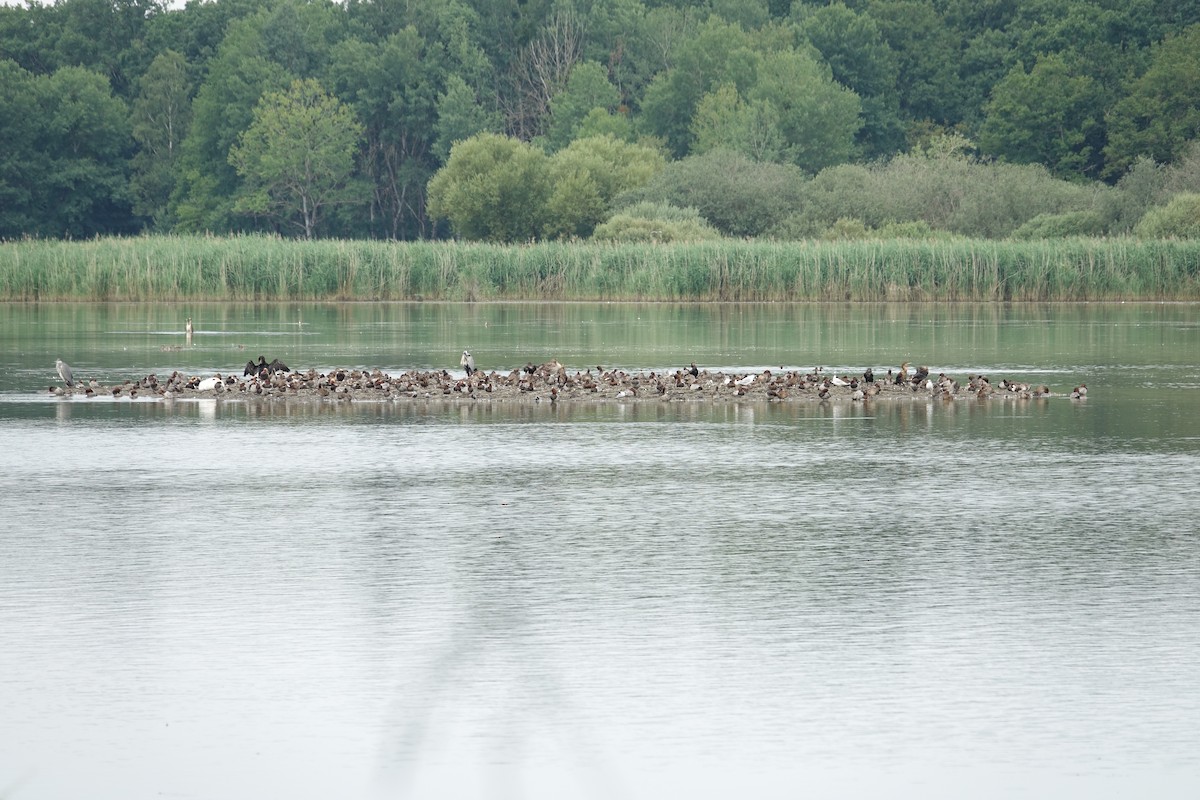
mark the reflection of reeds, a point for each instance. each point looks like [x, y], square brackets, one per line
[265, 268]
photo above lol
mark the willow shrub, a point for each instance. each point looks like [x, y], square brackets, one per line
[860, 269]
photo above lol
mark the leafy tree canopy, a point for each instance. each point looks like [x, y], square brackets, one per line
[297, 157]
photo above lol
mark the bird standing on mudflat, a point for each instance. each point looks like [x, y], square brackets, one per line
[64, 372]
[467, 362]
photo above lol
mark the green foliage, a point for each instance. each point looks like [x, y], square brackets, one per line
[1083, 88]
[917, 229]
[237, 77]
[871, 269]
[65, 154]
[1160, 115]
[749, 14]
[818, 119]
[588, 89]
[852, 43]
[1059, 226]
[655, 223]
[944, 189]
[724, 121]
[587, 176]
[1183, 174]
[718, 53]
[600, 122]
[1046, 116]
[460, 115]
[20, 171]
[1178, 219]
[738, 196]
[160, 116]
[926, 53]
[493, 188]
[846, 228]
[296, 157]
[1136, 192]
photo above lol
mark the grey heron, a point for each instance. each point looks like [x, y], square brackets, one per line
[188, 328]
[467, 362]
[64, 372]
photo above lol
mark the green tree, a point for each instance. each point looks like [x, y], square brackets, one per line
[160, 116]
[588, 88]
[21, 167]
[724, 121]
[926, 52]
[207, 183]
[1046, 116]
[392, 87]
[415, 74]
[297, 156]
[84, 143]
[738, 196]
[818, 118]
[749, 14]
[492, 187]
[655, 223]
[853, 46]
[1160, 114]
[587, 176]
[1178, 219]
[719, 53]
[461, 115]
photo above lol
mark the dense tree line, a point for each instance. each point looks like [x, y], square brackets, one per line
[513, 120]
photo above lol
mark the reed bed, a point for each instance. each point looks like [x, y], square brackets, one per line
[261, 268]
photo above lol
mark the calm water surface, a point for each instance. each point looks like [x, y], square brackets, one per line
[911, 599]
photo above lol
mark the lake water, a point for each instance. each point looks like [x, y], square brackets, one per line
[908, 599]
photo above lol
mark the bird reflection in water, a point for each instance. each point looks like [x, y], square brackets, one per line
[496, 651]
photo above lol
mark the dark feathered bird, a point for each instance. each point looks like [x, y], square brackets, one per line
[255, 369]
[277, 366]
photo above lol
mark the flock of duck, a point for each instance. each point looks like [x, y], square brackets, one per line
[552, 382]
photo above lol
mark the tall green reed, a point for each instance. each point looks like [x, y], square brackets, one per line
[173, 268]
